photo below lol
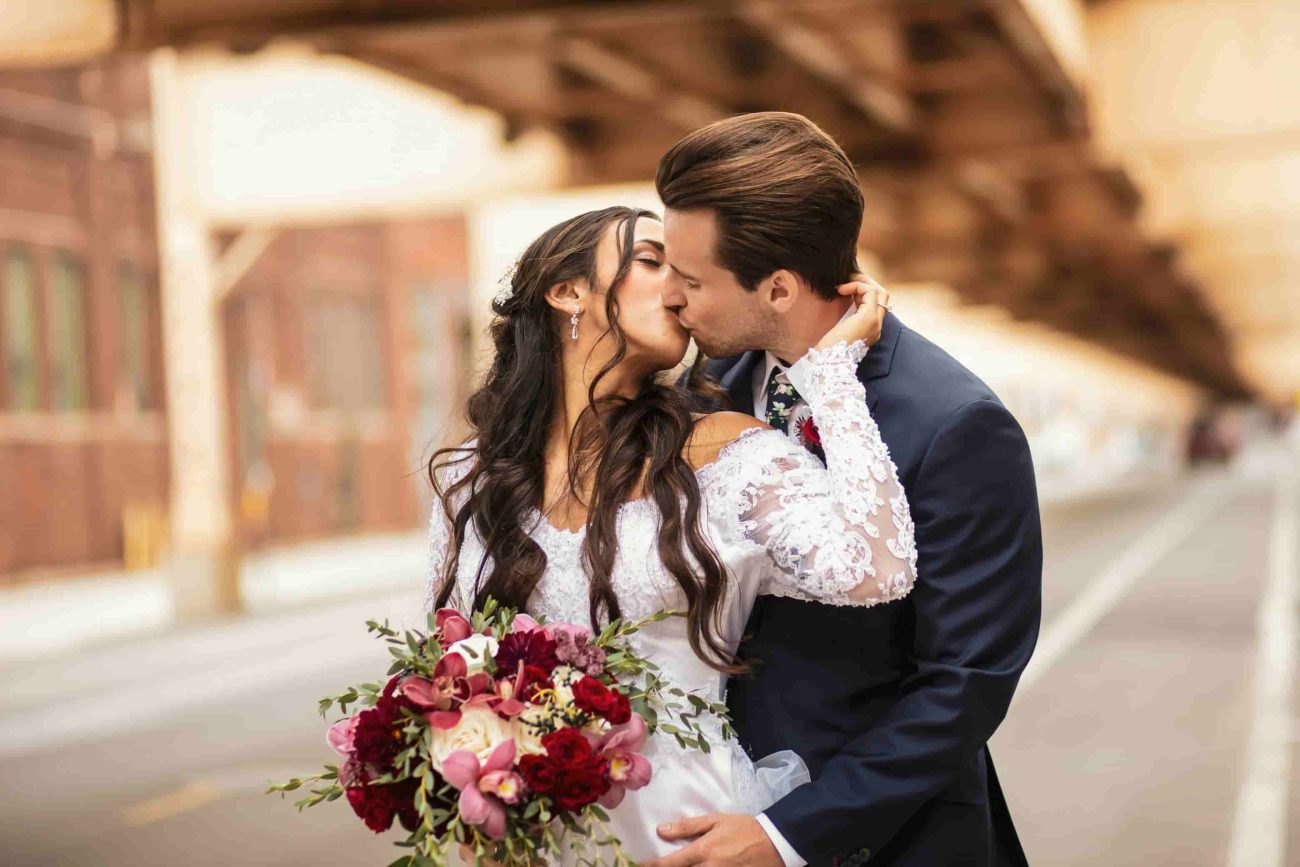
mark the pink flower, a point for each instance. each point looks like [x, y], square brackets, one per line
[484, 789]
[524, 623]
[342, 736]
[452, 627]
[507, 786]
[555, 630]
[439, 697]
[628, 769]
[573, 646]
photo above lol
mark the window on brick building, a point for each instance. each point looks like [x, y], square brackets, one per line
[345, 352]
[66, 335]
[18, 330]
[136, 346]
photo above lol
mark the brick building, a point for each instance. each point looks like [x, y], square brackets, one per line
[343, 343]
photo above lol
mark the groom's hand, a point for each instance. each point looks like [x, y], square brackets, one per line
[724, 840]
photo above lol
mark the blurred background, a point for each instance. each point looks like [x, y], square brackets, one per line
[246, 251]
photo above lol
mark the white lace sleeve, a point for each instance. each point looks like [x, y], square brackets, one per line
[440, 543]
[841, 533]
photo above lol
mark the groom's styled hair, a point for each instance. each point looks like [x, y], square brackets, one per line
[784, 194]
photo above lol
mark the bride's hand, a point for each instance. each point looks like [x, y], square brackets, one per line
[867, 321]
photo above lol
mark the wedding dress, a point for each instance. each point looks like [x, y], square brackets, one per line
[781, 523]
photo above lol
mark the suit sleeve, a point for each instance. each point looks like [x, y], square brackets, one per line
[977, 603]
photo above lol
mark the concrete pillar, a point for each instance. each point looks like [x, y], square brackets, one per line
[203, 564]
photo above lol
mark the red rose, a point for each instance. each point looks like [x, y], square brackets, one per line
[622, 710]
[593, 696]
[570, 773]
[377, 805]
[808, 430]
[532, 647]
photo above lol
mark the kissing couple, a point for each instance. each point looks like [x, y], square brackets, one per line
[855, 541]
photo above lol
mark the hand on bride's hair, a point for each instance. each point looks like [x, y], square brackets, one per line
[867, 321]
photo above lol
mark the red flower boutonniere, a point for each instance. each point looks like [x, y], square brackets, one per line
[809, 433]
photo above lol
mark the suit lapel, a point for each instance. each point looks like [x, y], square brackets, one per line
[880, 358]
[738, 382]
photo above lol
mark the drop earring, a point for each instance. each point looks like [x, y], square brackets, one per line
[573, 320]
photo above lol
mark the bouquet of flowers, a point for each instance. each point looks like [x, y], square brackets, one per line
[502, 734]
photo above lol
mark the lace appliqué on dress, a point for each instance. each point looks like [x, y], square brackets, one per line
[821, 527]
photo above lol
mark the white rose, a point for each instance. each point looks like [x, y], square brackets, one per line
[480, 731]
[475, 650]
[528, 728]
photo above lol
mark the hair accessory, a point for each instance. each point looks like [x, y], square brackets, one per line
[505, 285]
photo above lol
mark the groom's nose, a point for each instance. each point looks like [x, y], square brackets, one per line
[673, 297]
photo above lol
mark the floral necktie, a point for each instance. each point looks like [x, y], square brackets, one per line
[786, 414]
[781, 401]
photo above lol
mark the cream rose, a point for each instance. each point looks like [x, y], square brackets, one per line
[475, 650]
[528, 728]
[480, 731]
[564, 677]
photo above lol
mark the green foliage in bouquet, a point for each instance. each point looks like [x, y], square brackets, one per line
[572, 708]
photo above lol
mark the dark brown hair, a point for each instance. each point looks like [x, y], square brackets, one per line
[620, 445]
[784, 194]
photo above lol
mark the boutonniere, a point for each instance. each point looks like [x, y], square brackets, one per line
[809, 434]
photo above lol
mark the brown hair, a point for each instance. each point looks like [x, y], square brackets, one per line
[621, 445]
[784, 194]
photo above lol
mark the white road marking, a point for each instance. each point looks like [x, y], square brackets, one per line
[1260, 826]
[1087, 610]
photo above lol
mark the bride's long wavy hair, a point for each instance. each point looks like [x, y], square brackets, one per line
[620, 446]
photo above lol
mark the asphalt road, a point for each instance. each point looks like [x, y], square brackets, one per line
[1130, 742]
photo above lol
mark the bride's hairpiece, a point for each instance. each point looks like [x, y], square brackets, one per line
[506, 285]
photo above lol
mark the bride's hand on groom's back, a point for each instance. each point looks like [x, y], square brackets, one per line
[868, 321]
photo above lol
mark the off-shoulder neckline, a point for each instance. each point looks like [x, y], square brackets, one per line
[701, 472]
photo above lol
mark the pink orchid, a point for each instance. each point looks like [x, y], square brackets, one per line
[504, 697]
[439, 697]
[484, 789]
[452, 627]
[628, 769]
[342, 734]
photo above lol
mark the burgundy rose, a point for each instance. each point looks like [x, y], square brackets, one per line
[593, 696]
[533, 647]
[378, 805]
[571, 773]
[378, 737]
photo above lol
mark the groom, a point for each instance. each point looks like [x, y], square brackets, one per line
[892, 706]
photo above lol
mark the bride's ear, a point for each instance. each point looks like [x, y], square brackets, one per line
[566, 295]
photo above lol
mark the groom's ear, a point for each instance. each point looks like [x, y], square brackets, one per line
[565, 294]
[781, 289]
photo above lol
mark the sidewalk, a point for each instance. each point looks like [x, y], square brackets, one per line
[45, 619]
[42, 620]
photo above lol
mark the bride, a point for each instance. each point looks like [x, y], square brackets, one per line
[591, 491]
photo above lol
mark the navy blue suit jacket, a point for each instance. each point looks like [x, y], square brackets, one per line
[892, 706]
